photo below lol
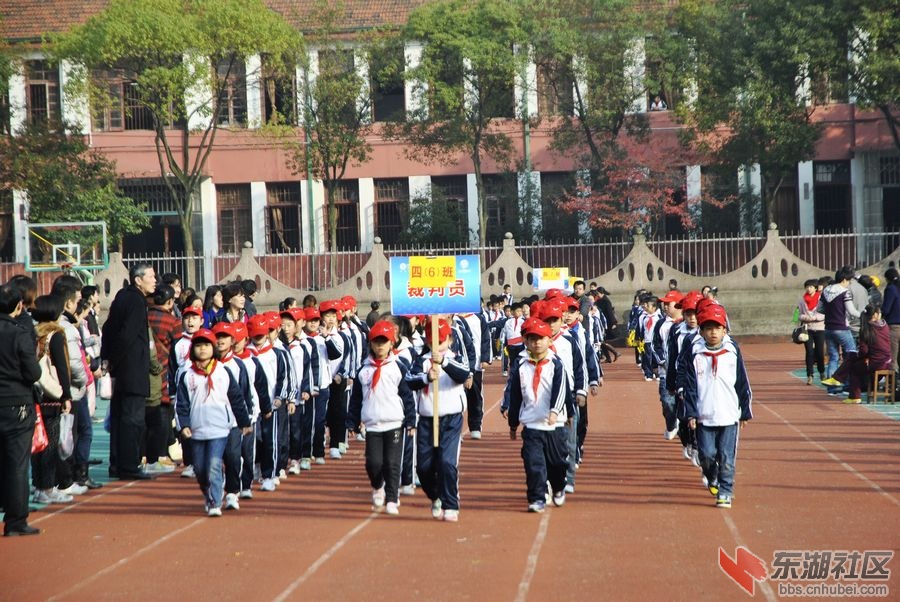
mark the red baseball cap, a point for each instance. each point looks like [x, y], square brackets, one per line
[572, 303]
[552, 310]
[349, 300]
[713, 312]
[443, 329]
[536, 308]
[240, 331]
[689, 301]
[330, 305]
[675, 296]
[537, 327]
[258, 325]
[203, 335]
[191, 311]
[311, 313]
[703, 303]
[225, 328]
[553, 293]
[383, 329]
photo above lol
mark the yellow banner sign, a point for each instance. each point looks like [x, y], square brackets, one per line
[432, 271]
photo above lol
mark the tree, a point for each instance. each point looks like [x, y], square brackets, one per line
[7, 68]
[336, 112]
[66, 181]
[749, 62]
[464, 84]
[875, 67]
[184, 58]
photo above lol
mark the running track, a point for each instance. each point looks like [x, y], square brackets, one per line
[813, 474]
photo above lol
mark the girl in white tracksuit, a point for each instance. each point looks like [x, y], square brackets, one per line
[209, 403]
[383, 402]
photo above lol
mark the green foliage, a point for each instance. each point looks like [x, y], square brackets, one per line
[67, 182]
[434, 221]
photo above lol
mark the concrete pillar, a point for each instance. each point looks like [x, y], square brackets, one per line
[308, 77]
[857, 204]
[197, 96]
[635, 60]
[580, 85]
[258, 204]
[806, 192]
[525, 89]
[75, 109]
[416, 91]
[472, 208]
[364, 100]
[529, 191]
[804, 92]
[20, 225]
[209, 219]
[313, 216]
[255, 114]
[693, 189]
[420, 201]
[583, 178]
[750, 186]
[17, 108]
[366, 213]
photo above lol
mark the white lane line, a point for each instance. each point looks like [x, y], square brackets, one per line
[843, 464]
[85, 500]
[323, 559]
[531, 565]
[486, 412]
[764, 586]
[123, 561]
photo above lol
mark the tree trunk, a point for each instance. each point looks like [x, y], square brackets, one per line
[331, 213]
[479, 189]
[186, 220]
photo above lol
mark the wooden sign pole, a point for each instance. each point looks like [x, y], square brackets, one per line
[437, 420]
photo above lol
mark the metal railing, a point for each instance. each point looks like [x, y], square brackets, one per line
[708, 256]
[583, 260]
[830, 251]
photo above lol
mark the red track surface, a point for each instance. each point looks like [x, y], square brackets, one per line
[812, 474]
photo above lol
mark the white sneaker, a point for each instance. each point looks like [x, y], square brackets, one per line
[475, 434]
[334, 454]
[570, 489]
[305, 464]
[320, 460]
[188, 473]
[294, 468]
[559, 498]
[231, 502]
[705, 481]
[408, 490]
[246, 494]
[268, 485]
[392, 508]
[343, 447]
[58, 497]
[360, 437]
[669, 435]
[277, 481]
[647, 378]
[451, 516]
[282, 474]
[214, 512]
[74, 489]
[158, 468]
[686, 452]
[695, 458]
[436, 511]
[378, 498]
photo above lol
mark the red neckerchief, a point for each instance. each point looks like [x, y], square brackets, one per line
[715, 358]
[377, 376]
[207, 372]
[247, 353]
[812, 300]
[538, 367]
[227, 357]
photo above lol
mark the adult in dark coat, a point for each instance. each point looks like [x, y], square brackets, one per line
[126, 353]
[19, 371]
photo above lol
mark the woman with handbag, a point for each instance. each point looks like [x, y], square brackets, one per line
[814, 322]
[55, 400]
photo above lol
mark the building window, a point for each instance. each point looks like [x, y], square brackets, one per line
[447, 99]
[346, 201]
[7, 246]
[283, 218]
[889, 171]
[500, 206]
[279, 96]
[498, 98]
[450, 208]
[122, 107]
[153, 192]
[232, 101]
[388, 90]
[555, 83]
[5, 114]
[391, 209]
[557, 224]
[832, 195]
[235, 217]
[164, 234]
[42, 91]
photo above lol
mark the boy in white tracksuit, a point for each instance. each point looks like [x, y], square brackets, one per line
[383, 402]
[209, 404]
[437, 467]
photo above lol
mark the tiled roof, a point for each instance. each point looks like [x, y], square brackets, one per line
[23, 20]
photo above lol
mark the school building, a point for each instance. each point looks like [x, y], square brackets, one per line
[251, 194]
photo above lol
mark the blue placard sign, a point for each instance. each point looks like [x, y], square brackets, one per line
[435, 285]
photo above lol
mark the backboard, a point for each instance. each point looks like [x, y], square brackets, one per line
[75, 245]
